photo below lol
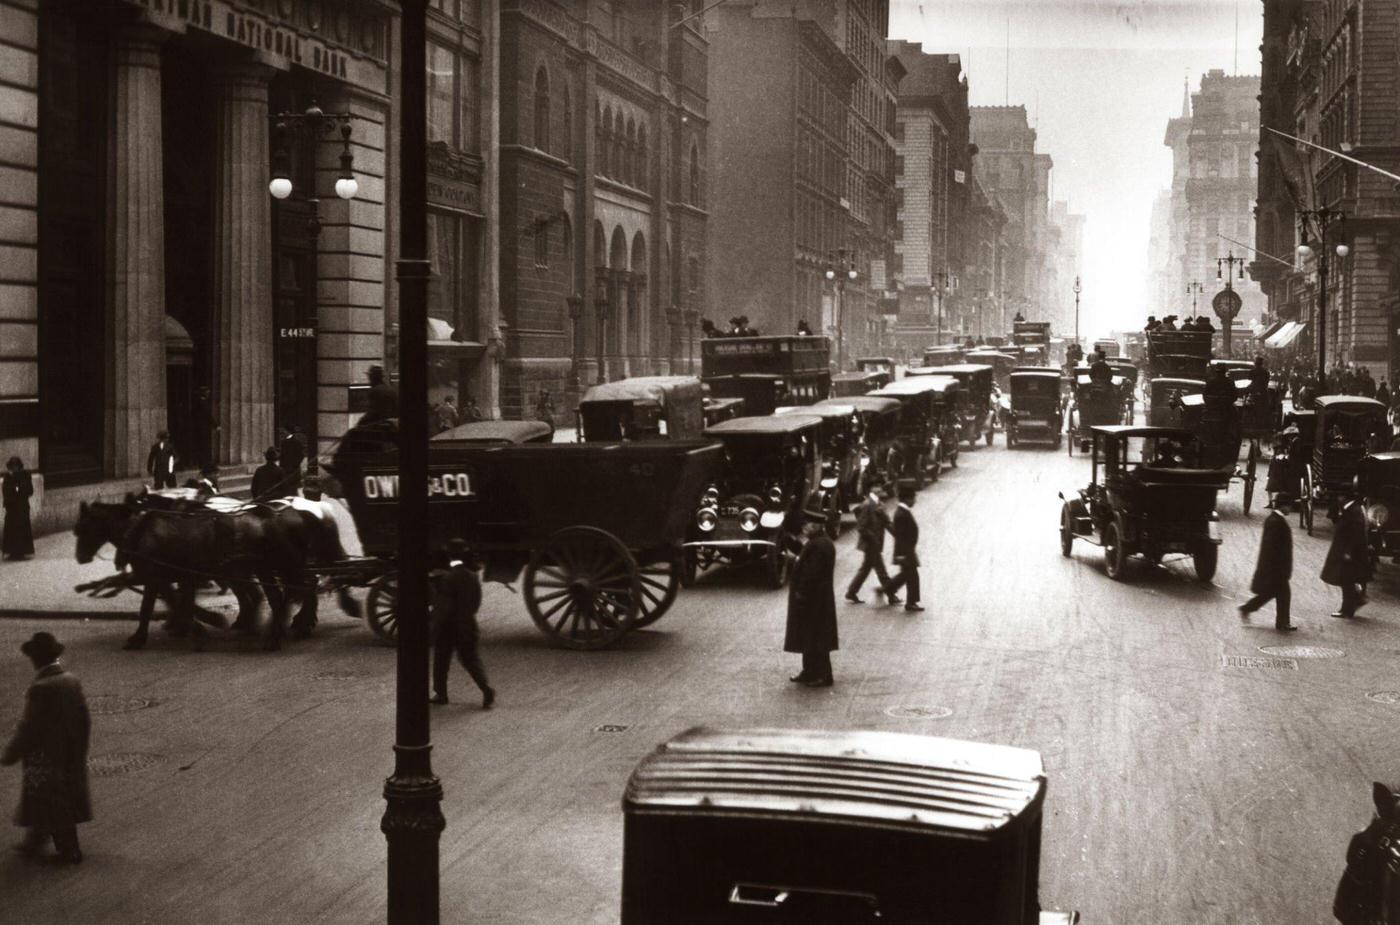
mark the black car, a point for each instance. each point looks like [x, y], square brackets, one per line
[1032, 411]
[1378, 485]
[840, 437]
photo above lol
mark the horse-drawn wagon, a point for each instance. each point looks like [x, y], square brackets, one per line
[595, 528]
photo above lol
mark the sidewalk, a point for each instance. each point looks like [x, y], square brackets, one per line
[43, 585]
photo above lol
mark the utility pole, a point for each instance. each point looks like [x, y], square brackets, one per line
[1077, 289]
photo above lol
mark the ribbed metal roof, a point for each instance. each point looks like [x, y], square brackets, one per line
[881, 778]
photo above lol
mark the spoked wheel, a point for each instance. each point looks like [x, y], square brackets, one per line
[776, 565]
[658, 582]
[1250, 469]
[582, 589]
[1115, 555]
[1305, 502]
[382, 608]
[1066, 531]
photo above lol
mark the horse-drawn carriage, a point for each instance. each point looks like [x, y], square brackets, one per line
[1164, 395]
[596, 528]
[1219, 427]
[1095, 404]
[642, 408]
[1344, 432]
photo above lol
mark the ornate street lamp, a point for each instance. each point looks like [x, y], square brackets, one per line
[1194, 289]
[1077, 289]
[838, 275]
[575, 303]
[310, 128]
[1227, 306]
[1320, 220]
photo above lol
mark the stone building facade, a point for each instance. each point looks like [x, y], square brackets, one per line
[1009, 168]
[604, 139]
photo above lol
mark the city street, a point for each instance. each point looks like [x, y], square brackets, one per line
[1195, 775]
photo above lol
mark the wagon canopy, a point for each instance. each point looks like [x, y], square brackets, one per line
[759, 426]
[678, 401]
[497, 432]
[865, 404]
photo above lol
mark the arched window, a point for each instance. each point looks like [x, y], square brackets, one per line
[694, 175]
[642, 160]
[567, 142]
[619, 148]
[630, 174]
[542, 109]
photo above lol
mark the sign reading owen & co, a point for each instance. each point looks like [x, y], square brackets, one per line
[327, 36]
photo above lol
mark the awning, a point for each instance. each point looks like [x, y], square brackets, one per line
[1266, 333]
[1285, 335]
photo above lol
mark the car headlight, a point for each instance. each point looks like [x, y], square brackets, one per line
[748, 520]
[706, 518]
[1377, 515]
[771, 520]
[711, 497]
[775, 496]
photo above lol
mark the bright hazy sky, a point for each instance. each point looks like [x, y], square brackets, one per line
[1099, 80]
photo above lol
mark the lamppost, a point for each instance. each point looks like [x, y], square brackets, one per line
[1194, 289]
[412, 822]
[575, 303]
[838, 277]
[1077, 289]
[941, 280]
[1320, 219]
[1227, 306]
[600, 308]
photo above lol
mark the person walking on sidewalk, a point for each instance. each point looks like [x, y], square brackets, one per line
[17, 539]
[811, 614]
[1273, 570]
[51, 744]
[1348, 563]
[456, 599]
[906, 540]
[871, 524]
[160, 462]
[269, 481]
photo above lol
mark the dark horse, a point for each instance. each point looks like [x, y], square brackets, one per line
[184, 548]
[1369, 891]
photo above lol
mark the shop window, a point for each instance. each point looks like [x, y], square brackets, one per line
[453, 246]
[442, 94]
[542, 109]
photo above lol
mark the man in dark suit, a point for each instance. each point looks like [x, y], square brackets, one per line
[383, 397]
[1348, 563]
[906, 540]
[1274, 569]
[456, 599]
[871, 524]
[293, 453]
[51, 743]
[160, 462]
[269, 481]
[811, 616]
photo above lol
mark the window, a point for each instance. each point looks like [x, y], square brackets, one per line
[452, 249]
[601, 141]
[542, 109]
[693, 274]
[629, 173]
[470, 134]
[542, 245]
[566, 241]
[567, 146]
[642, 160]
[694, 175]
[442, 92]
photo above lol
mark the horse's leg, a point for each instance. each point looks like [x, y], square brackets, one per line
[185, 613]
[137, 639]
[249, 597]
[277, 606]
[305, 620]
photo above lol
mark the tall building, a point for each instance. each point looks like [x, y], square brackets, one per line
[801, 154]
[604, 193]
[1161, 268]
[934, 273]
[1329, 77]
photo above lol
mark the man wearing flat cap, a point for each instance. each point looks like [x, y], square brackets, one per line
[811, 617]
[51, 744]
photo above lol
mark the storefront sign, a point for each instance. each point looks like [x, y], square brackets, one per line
[454, 194]
[296, 332]
[322, 35]
[454, 179]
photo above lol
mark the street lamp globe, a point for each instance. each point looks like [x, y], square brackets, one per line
[345, 188]
[1343, 250]
[280, 187]
[851, 274]
[830, 273]
[1304, 251]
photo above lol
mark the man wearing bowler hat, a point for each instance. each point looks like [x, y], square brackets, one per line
[906, 542]
[51, 743]
[811, 616]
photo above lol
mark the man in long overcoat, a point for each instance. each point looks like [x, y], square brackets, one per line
[456, 599]
[1273, 570]
[1348, 563]
[160, 462]
[871, 524]
[906, 541]
[811, 616]
[52, 745]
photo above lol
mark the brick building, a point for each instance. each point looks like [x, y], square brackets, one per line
[603, 193]
[1329, 76]
[802, 165]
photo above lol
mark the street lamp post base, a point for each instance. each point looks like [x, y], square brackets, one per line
[412, 825]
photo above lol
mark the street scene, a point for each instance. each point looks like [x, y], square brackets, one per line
[606, 461]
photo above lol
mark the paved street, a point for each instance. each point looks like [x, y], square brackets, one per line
[237, 786]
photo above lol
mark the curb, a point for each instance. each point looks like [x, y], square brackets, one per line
[41, 614]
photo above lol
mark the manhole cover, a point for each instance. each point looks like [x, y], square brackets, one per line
[334, 676]
[1257, 661]
[611, 727]
[919, 712]
[1302, 651]
[120, 763]
[1384, 696]
[107, 704]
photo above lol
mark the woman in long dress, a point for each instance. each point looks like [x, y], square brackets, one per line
[17, 541]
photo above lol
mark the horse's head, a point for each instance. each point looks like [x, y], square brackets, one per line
[99, 524]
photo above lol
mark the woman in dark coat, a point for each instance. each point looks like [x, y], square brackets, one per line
[18, 539]
[1348, 563]
[811, 618]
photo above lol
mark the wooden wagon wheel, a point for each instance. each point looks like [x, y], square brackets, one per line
[658, 584]
[382, 607]
[582, 588]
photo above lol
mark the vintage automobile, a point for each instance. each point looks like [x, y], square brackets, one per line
[1164, 394]
[1178, 354]
[1001, 363]
[845, 385]
[1094, 404]
[1235, 369]
[642, 408]
[1378, 486]
[886, 365]
[722, 409]
[1152, 497]
[1345, 431]
[840, 446]
[921, 422]
[767, 371]
[753, 511]
[1032, 409]
[1108, 347]
[822, 827]
[1218, 427]
[879, 434]
[947, 355]
[497, 433]
[978, 403]
[763, 392]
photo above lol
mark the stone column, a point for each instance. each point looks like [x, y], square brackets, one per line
[135, 393]
[243, 265]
